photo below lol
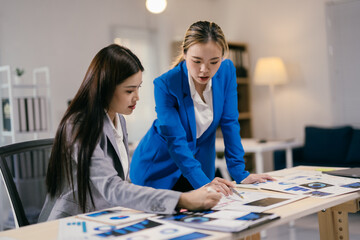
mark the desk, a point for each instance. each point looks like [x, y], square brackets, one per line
[332, 215]
[253, 146]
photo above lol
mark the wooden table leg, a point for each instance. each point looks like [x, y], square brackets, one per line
[255, 236]
[333, 222]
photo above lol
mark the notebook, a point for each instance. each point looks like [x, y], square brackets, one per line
[349, 172]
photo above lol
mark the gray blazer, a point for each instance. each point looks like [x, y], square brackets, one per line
[108, 186]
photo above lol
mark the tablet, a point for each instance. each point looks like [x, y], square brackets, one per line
[349, 172]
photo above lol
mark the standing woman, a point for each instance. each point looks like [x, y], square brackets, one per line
[89, 162]
[192, 99]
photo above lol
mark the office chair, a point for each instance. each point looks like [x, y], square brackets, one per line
[23, 168]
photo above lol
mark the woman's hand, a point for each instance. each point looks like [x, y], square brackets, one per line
[200, 199]
[258, 178]
[221, 185]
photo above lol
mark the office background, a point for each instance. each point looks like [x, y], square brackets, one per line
[318, 41]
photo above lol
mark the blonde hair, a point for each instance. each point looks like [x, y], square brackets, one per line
[202, 32]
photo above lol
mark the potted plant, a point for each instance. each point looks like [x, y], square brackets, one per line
[18, 73]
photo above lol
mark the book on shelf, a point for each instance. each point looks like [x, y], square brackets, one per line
[6, 114]
[30, 113]
[37, 115]
[26, 117]
[236, 54]
[43, 113]
[22, 114]
[220, 220]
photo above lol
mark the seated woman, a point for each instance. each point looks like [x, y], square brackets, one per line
[89, 162]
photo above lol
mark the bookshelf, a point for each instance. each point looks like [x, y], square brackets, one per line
[25, 113]
[238, 53]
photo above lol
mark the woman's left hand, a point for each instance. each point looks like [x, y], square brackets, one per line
[258, 178]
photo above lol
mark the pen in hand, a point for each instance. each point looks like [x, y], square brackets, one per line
[237, 193]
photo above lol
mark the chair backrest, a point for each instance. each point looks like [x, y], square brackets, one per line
[23, 166]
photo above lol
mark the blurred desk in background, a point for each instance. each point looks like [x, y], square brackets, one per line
[258, 148]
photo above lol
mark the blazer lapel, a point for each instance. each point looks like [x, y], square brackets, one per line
[217, 107]
[188, 102]
[125, 139]
[110, 135]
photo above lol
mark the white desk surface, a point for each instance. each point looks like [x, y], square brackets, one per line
[287, 212]
[253, 145]
[249, 144]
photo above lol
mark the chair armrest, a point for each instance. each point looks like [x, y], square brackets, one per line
[280, 157]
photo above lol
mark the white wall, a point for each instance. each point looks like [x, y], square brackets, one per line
[294, 31]
[344, 60]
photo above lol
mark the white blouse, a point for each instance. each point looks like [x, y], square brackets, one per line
[204, 113]
[119, 137]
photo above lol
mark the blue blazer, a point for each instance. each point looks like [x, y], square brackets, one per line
[170, 147]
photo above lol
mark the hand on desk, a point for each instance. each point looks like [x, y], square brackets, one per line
[222, 185]
[199, 199]
[258, 178]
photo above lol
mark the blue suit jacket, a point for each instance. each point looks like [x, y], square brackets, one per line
[170, 147]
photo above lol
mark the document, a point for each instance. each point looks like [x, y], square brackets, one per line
[310, 183]
[255, 201]
[116, 216]
[220, 220]
[75, 228]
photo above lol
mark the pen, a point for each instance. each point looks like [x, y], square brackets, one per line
[236, 192]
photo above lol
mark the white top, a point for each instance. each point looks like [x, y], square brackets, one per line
[204, 113]
[119, 137]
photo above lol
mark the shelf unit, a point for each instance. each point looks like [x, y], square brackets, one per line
[25, 113]
[239, 54]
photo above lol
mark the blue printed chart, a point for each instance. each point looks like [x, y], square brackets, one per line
[79, 229]
[220, 220]
[116, 216]
[311, 183]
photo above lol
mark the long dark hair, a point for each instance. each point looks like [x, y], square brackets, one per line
[110, 67]
[202, 32]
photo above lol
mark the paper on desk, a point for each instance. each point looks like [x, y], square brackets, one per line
[116, 216]
[219, 220]
[255, 201]
[73, 229]
[311, 183]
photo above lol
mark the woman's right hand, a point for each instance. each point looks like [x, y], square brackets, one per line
[199, 199]
[222, 185]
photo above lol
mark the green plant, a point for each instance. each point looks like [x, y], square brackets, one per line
[19, 72]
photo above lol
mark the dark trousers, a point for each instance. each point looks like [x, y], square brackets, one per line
[182, 185]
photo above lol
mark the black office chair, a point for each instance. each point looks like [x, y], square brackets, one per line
[23, 167]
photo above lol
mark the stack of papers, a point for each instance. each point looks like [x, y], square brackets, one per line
[255, 201]
[220, 220]
[116, 216]
[309, 183]
[77, 229]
